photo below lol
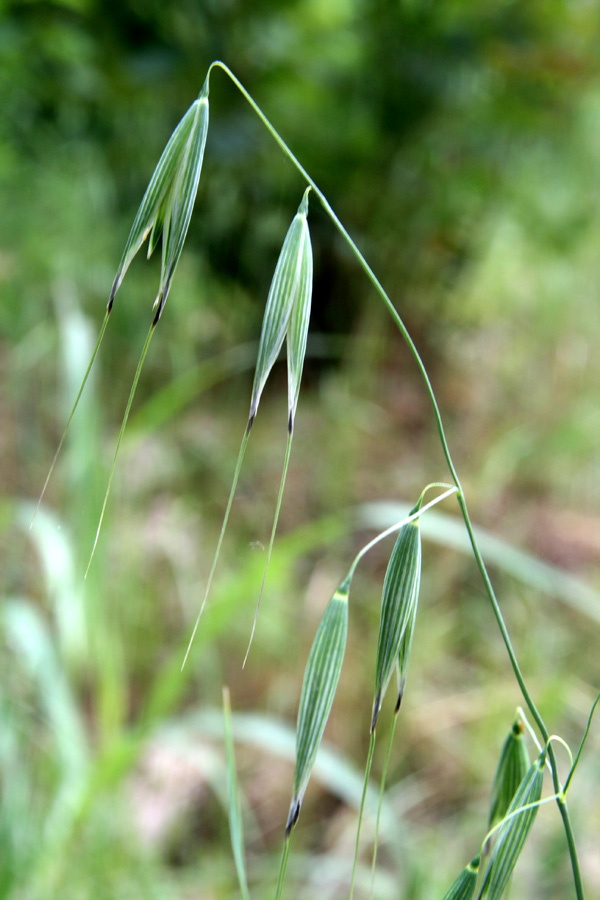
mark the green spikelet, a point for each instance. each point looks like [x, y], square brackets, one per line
[512, 834]
[464, 886]
[513, 764]
[398, 609]
[318, 690]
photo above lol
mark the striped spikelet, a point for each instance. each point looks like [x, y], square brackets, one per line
[398, 611]
[318, 690]
[512, 766]
[513, 833]
[464, 886]
[166, 207]
[287, 312]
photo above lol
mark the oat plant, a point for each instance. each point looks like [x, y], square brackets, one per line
[164, 215]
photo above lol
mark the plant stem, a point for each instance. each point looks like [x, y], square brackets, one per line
[283, 865]
[562, 805]
[381, 795]
[362, 807]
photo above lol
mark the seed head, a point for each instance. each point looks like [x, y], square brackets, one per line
[287, 312]
[513, 764]
[318, 690]
[398, 611]
[166, 207]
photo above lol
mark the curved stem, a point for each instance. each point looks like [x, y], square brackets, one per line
[446, 451]
[398, 525]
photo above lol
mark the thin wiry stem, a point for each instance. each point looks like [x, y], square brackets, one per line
[236, 475]
[72, 413]
[446, 451]
[398, 525]
[381, 794]
[286, 462]
[582, 744]
[134, 385]
[283, 865]
[362, 808]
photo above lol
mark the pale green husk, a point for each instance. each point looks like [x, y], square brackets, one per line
[318, 690]
[464, 886]
[512, 766]
[287, 311]
[513, 833]
[166, 207]
[398, 608]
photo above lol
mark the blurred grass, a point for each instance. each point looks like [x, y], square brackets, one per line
[462, 148]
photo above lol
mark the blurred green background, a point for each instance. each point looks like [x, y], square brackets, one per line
[460, 145]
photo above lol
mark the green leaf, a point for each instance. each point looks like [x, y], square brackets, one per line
[318, 690]
[398, 610]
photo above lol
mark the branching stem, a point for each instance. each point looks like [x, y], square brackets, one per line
[561, 799]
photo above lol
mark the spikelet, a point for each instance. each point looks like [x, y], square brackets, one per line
[513, 764]
[166, 207]
[398, 610]
[464, 886]
[512, 834]
[318, 690]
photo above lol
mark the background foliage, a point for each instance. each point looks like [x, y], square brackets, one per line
[460, 144]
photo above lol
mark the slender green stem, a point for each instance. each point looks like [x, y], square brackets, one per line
[134, 385]
[236, 475]
[446, 451]
[362, 808]
[72, 413]
[398, 525]
[381, 793]
[283, 865]
[286, 462]
[582, 744]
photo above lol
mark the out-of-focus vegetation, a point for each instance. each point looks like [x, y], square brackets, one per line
[460, 144]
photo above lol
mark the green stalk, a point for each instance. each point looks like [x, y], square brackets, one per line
[562, 805]
[381, 793]
[582, 744]
[362, 807]
[286, 463]
[72, 413]
[283, 865]
[136, 378]
[236, 475]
